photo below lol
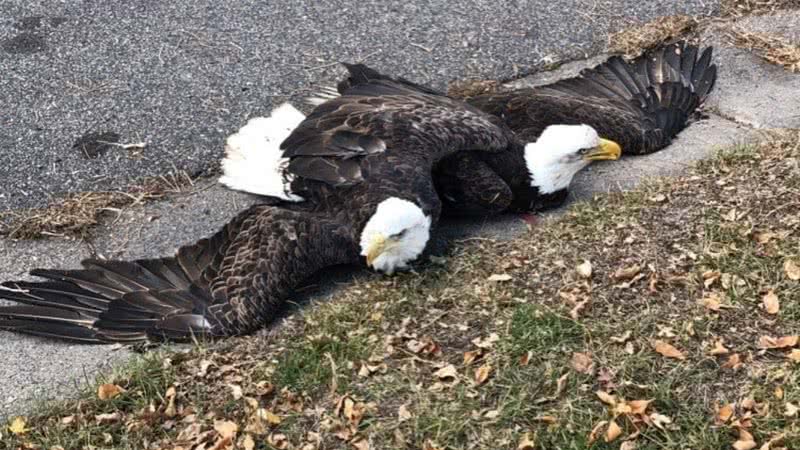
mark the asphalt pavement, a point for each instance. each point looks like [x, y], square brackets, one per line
[181, 75]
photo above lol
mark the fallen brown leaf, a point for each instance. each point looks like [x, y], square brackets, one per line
[792, 270]
[500, 277]
[17, 426]
[403, 413]
[526, 442]
[226, 428]
[724, 414]
[593, 435]
[108, 391]
[248, 443]
[575, 312]
[745, 442]
[639, 406]
[584, 269]
[108, 418]
[771, 303]
[733, 362]
[718, 349]
[471, 356]
[582, 362]
[613, 431]
[626, 273]
[781, 342]
[360, 444]
[446, 373]
[606, 398]
[482, 374]
[667, 350]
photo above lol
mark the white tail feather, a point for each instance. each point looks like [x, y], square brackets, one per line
[254, 161]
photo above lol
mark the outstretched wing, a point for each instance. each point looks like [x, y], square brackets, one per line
[231, 283]
[641, 105]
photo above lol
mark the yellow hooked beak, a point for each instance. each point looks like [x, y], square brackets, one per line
[377, 246]
[607, 150]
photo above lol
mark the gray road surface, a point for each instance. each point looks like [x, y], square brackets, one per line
[181, 75]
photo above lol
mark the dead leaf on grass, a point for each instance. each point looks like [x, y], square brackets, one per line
[575, 312]
[745, 441]
[626, 273]
[606, 398]
[621, 339]
[794, 355]
[769, 342]
[482, 374]
[734, 362]
[584, 269]
[403, 413]
[226, 428]
[526, 442]
[108, 418]
[500, 277]
[471, 356]
[719, 349]
[446, 373]
[771, 303]
[593, 435]
[582, 362]
[668, 350]
[613, 431]
[791, 410]
[723, 414]
[17, 426]
[792, 270]
[108, 391]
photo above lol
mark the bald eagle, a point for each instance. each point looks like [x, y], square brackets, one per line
[634, 108]
[642, 105]
[350, 183]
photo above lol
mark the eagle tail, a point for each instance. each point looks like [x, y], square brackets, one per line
[253, 159]
[115, 301]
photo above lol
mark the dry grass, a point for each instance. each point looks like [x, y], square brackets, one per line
[633, 41]
[738, 8]
[506, 343]
[772, 48]
[76, 213]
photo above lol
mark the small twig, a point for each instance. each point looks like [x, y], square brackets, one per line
[137, 146]
[334, 381]
[420, 46]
